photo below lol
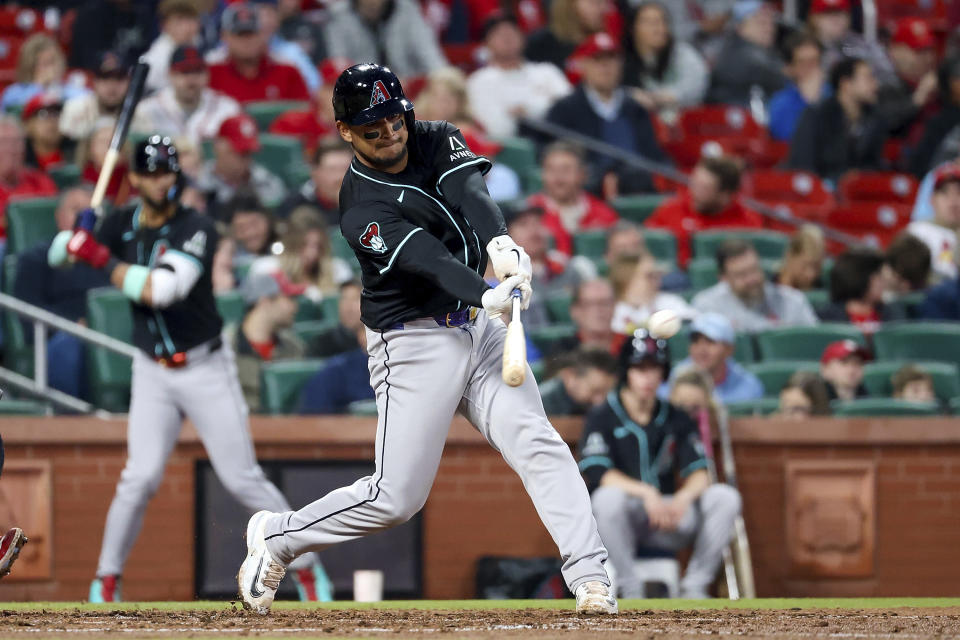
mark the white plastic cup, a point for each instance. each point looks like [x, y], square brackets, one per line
[368, 586]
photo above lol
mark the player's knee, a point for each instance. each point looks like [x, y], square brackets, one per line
[140, 483]
[723, 500]
[609, 503]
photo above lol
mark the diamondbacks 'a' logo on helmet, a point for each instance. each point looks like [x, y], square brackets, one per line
[379, 93]
[371, 238]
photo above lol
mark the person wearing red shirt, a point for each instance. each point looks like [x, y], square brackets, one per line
[249, 74]
[318, 121]
[710, 202]
[568, 207]
[46, 146]
[16, 179]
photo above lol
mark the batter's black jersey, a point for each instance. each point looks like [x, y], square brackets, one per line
[381, 212]
[188, 322]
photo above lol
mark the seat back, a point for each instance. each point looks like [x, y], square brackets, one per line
[774, 375]
[282, 381]
[946, 377]
[266, 111]
[546, 337]
[30, 221]
[231, 307]
[868, 407]
[108, 311]
[768, 244]
[637, 208]
[881, 187]
[662, 244]
[17, 353]
[804, 343]
[758, 407]
[913, 341]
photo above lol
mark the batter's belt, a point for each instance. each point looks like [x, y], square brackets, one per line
[452, 319]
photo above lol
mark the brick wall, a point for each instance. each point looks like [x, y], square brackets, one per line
[478, 506]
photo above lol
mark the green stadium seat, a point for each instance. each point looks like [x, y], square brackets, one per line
[769, 244]
[308, 310]
[758, 407]
[280, 155]
[341, 248]
[65, 175]
[265, 112]
[282, 381]
[946, 377]
[330, 307]
[955, 406]
[558, 307]
[17, 353]
[774, 375]
[817, 297]
[520, 155]
[362, 408]
[868, 407]
[297, 174]
[539, 369]
[703, 273]
[546, 337]
[231, 306]
[532, 181]
[662, 244]
[804, 343]
[637, 208]
[311, 330]
[22, 408]
[108, 311]
[592, 243]
[918, 341]
[29, 222]
[744, 350]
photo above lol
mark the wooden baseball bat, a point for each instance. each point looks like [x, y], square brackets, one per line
[741, 544]
[134, 92]
[515, 348]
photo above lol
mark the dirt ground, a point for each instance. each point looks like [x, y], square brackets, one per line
[519, 624]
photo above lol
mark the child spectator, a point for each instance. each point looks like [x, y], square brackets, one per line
[906, 266]
[46, 147]
[802, 264]
[636, 283]
[804, 395]
[41, 67]
[841, 367]
[583, 379]
[913, 384]
[251, 227]
[692, 391]
[856, 292]
[179, 27]
[940, 234]
[307, 259]
[806, 87]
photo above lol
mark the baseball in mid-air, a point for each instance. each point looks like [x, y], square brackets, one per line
[664, 324]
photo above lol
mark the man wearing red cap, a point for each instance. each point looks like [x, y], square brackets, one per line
[829, 21]
[188, 107]
[940, 234]
[16, 179]
[907, 98]
[233, 167]
[46, 146]
[841, 367]
[601, 108]
[317, 121]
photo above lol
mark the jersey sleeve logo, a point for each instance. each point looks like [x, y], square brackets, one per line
[371, 238]
[197, 244]
[379, 93]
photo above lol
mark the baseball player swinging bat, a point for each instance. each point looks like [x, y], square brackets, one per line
[515, 347]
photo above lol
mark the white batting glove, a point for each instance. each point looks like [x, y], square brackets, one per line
[508, 259]
[499, 300]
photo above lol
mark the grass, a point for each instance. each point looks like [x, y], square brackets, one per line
[666, 605]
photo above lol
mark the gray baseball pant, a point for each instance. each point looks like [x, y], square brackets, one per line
[422, 375]
[707, 524]
[208, 392]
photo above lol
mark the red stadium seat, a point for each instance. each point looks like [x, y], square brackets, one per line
[719, 121]
[803, 192]
[20, 21]
[9, 50]
[871, 221]
[878, 186]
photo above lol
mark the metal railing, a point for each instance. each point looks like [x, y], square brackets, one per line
[42, 321]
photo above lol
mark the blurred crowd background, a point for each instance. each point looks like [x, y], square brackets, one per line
[792, 193]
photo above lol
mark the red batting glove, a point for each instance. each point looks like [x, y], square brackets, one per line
[84, 247]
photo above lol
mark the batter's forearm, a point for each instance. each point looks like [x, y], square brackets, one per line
[426, 256]
[467, 189]
[118, 277]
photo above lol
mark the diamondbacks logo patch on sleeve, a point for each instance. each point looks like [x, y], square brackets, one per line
[371, 238]
[379, 93]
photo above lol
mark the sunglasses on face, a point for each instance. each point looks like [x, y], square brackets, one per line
[395, 121]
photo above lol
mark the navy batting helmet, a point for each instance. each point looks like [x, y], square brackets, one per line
[641, 348]
[156, 154]
[365, 93]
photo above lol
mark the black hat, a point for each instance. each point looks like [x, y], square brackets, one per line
[156, 154]
[240, 18]
[186, 59]
[641, 348]
[110, 64]
[365, 93]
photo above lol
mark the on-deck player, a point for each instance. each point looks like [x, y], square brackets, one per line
[415, 210]
[160, 255]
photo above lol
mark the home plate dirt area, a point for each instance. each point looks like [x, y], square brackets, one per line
[537, 620]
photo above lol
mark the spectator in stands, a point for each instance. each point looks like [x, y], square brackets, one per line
[297, 27]
[711, 201]
[567, 205]
[553, 272]
[41, 67]
[805, 395]
[913, 384]
[264, 335]
[592, 313]
[46, 147]
[856, 292]
[186, 105]
[233, 166]
[282, 49]
[830, 21]
[248, 72]
[60, 291]
[179, 27]
[571, 23]
[17, 179]
[701, 22]
[251, 227]
[345, 377]
[389, 32]
[124, 26]
[349, 333]
[802, 264]
[510, 87]
[583, 380]
[316, 122]
[639, 504]
[841, 367]
[940, 234]
[843, 131]
[307, 259]
[636, 283]
[940, 140]
[906, 267]
[748, 65]
[666, 74]
[712, 341]
[746, 298]
[91, 154]
[692, 391]
[906, 98]
[626, 238]
[110, 82]
[221, 273]
[329, 165]
[942, 302]
[602, 109]
[807, 85]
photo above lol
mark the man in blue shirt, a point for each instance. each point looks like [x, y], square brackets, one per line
[711, 350]
[807, 86]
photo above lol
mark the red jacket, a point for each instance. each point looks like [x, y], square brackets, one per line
[677, 215]
[303, 125]
[599, 215]
[274, 81]
[119, 190]
[32, 183]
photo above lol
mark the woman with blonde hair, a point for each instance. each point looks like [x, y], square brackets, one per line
[802, 264]
[307, 257]
[636, 280]
[571, 22]
[41, 66]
